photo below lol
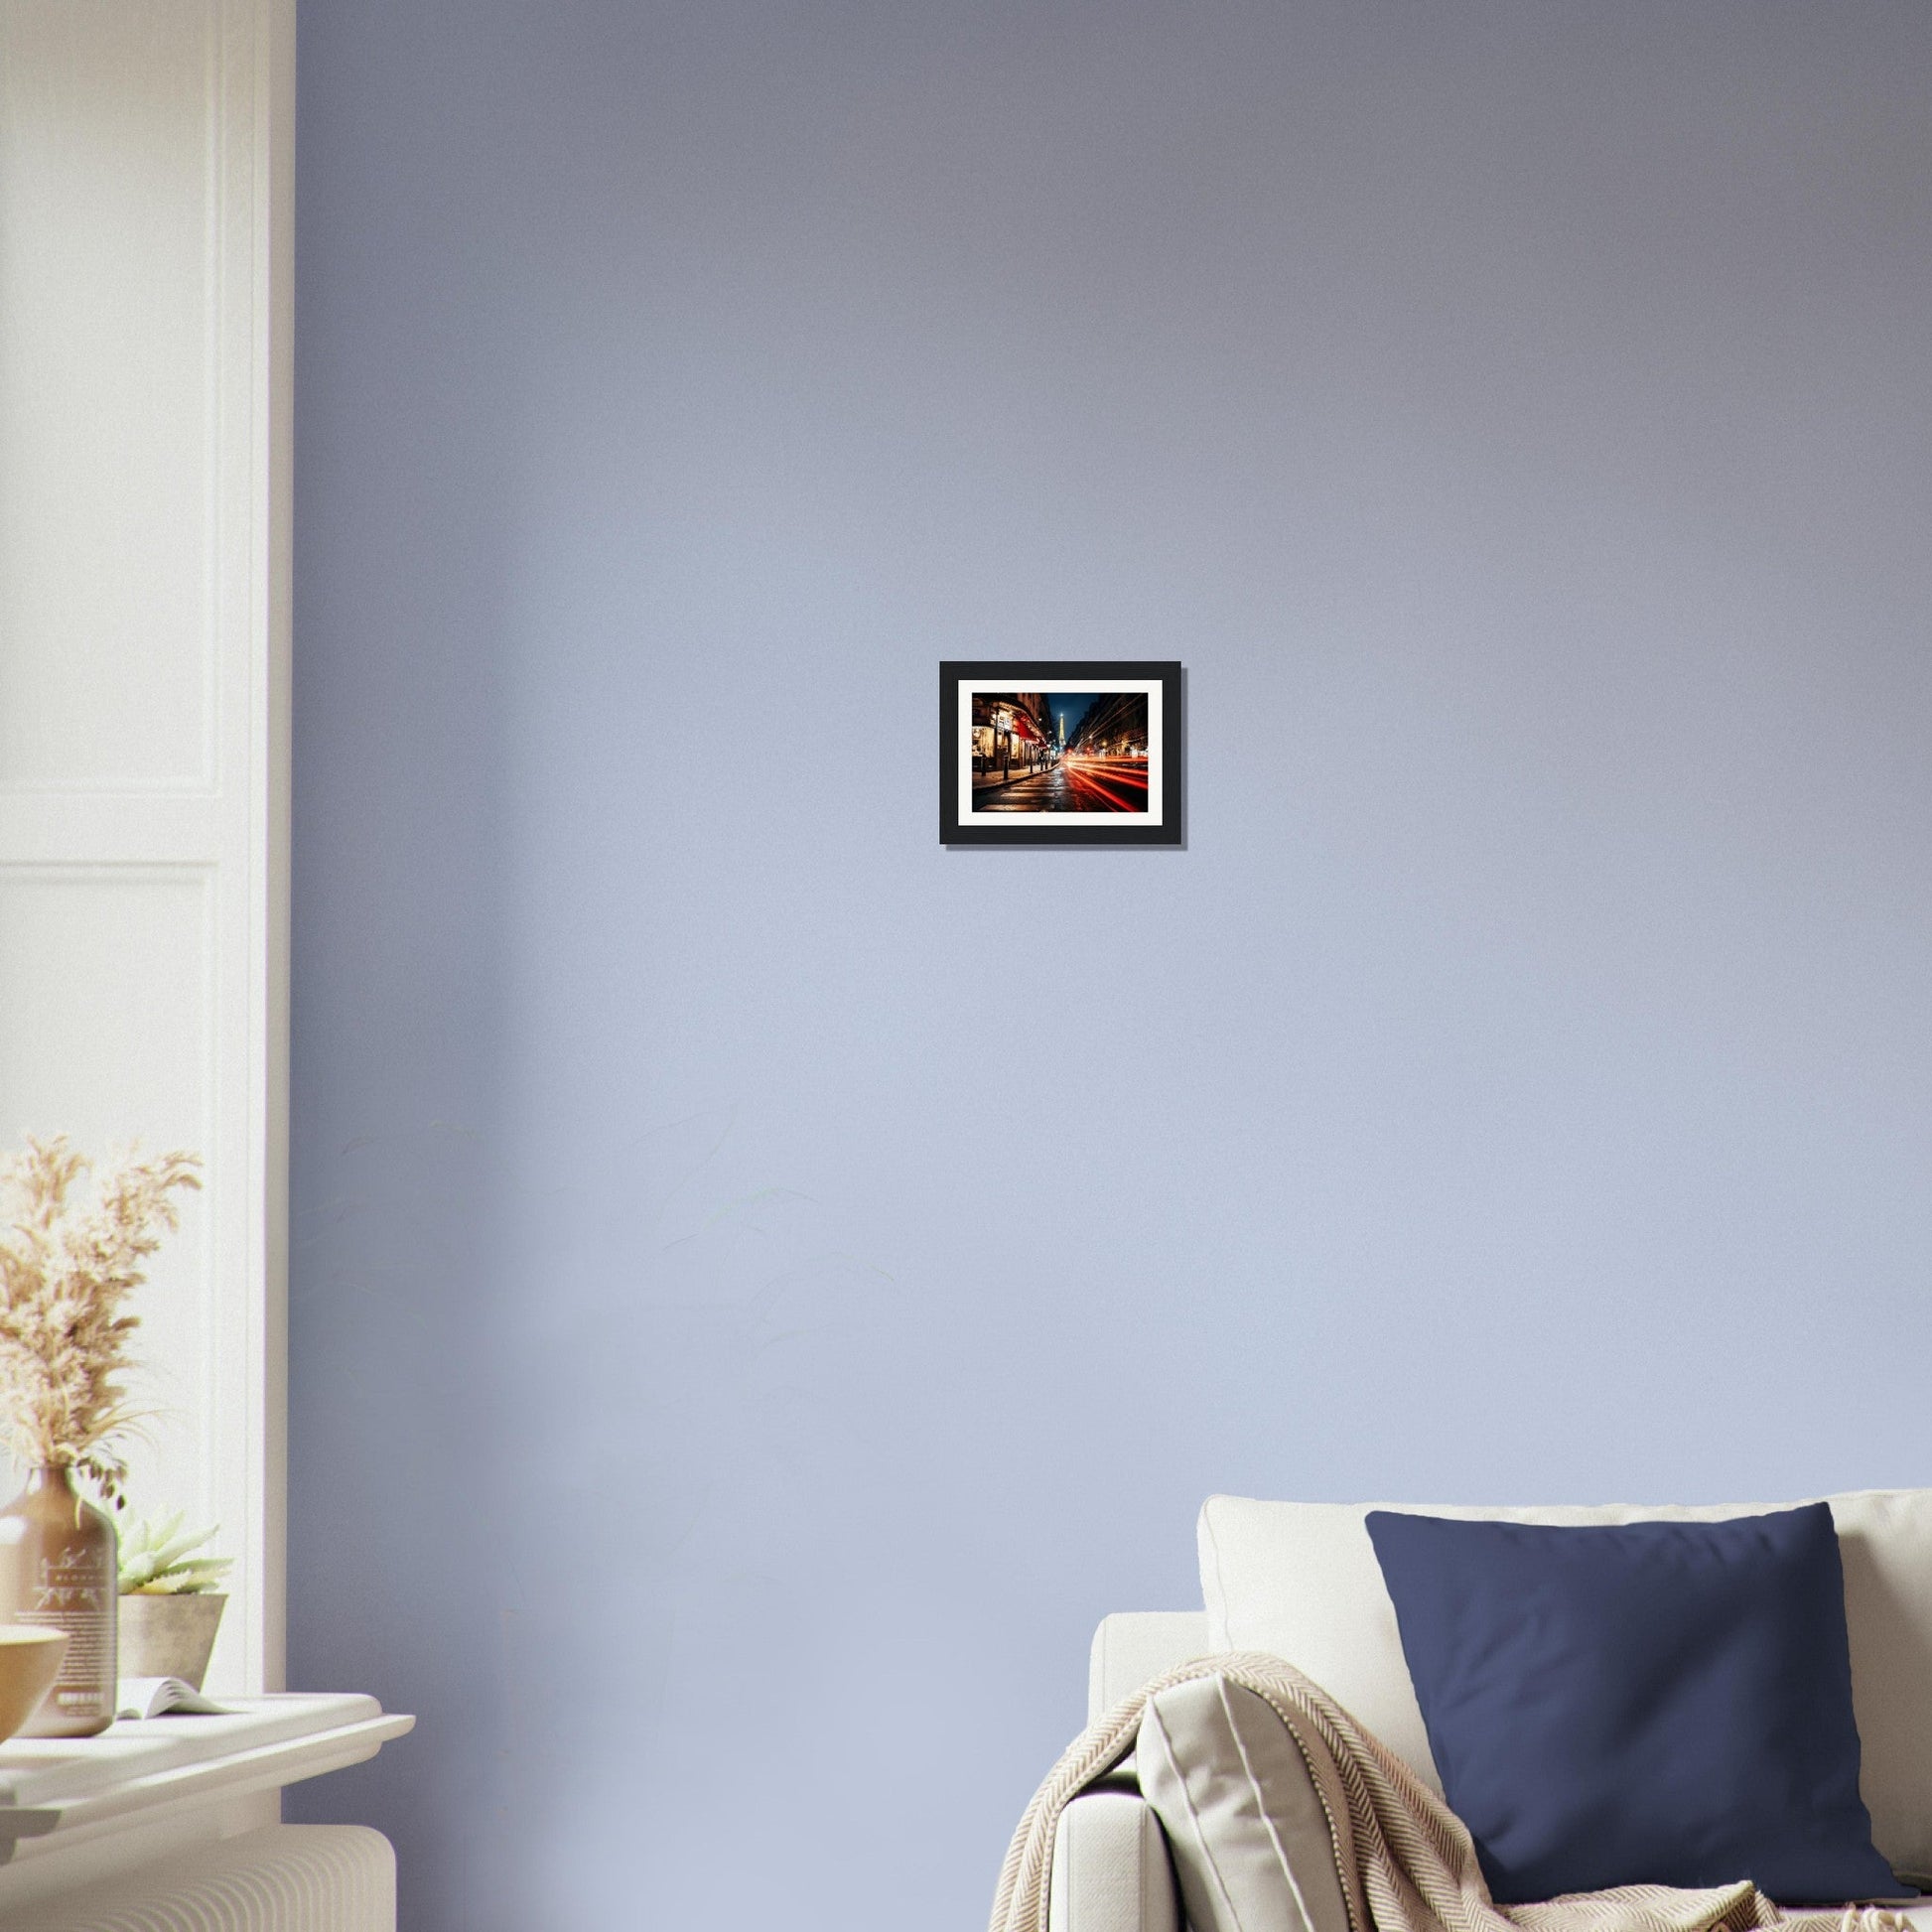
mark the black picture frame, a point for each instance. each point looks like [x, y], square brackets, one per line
[1040, 804]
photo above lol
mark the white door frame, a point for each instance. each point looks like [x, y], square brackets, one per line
[146, 252]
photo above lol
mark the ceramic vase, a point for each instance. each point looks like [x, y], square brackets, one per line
[61, 1553]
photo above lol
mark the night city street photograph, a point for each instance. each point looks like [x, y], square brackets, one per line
[1070, 752]
[1034, 758]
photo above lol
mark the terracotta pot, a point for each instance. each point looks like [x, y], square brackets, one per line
[170, 1636]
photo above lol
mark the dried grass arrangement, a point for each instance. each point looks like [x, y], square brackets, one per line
[66, 1269]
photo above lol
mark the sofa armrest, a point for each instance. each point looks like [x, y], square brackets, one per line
[1111, 1871]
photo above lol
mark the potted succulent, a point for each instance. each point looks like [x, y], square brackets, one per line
[171, 1605]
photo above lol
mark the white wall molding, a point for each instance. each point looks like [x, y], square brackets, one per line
[146, 224]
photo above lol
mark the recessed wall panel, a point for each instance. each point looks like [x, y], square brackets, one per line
[108, 426]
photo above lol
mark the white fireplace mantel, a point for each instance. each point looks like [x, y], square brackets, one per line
[77, 1812]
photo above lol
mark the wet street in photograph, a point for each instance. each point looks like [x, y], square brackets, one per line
[1077, 784]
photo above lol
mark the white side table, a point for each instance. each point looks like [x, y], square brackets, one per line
[181, 1797]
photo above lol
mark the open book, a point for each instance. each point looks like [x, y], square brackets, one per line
[163, 1697]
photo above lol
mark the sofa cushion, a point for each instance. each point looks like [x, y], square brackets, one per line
[1300, 1579]
[1134, 1647]
[1252, 1845]
[1632, 1704]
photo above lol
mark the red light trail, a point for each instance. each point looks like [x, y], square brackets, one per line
[1107, 784]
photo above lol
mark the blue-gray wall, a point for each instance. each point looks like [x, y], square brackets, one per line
[764, 1284]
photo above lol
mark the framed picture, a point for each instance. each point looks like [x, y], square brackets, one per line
[1036, 754]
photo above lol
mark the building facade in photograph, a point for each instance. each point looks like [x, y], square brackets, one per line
[1115, 727]
[1013, 736]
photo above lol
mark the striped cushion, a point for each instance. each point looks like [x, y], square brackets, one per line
[1250, 1841]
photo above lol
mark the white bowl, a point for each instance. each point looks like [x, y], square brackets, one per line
[30, 1661]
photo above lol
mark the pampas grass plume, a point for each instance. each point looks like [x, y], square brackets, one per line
[66, 1269]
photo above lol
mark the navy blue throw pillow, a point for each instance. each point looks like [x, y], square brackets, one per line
[1639, 1703]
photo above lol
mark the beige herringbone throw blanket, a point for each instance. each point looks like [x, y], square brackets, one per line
[1406, 1862]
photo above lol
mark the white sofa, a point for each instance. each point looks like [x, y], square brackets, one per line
[1299, 1580]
